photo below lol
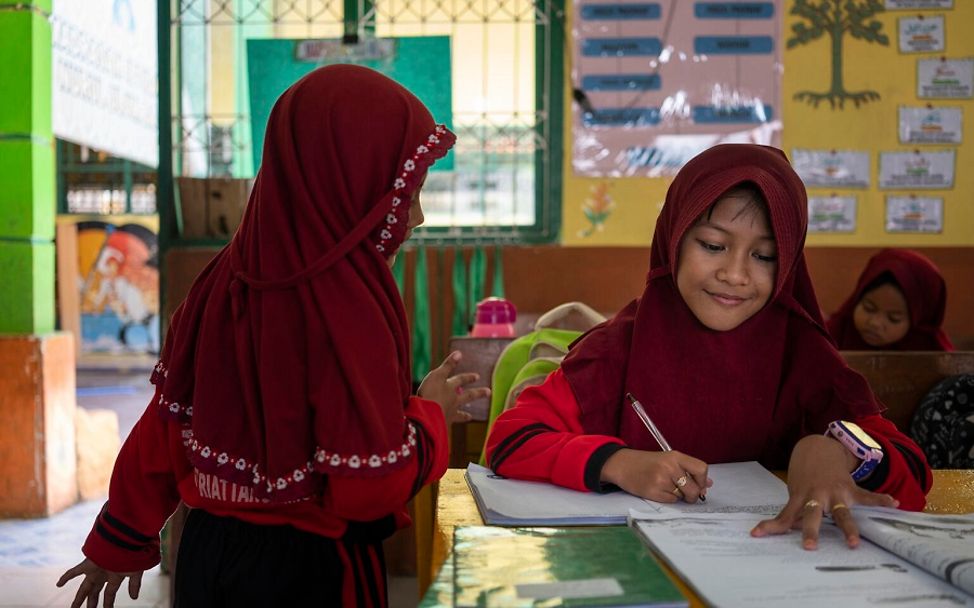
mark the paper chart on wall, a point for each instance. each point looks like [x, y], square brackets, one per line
[656, 83]
[911, 5]
[914, 214]
[921, 34]
[945, 78]
[929, 170]
[832, 168]
[930, 125]
[832, 213]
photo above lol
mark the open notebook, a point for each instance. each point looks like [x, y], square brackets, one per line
[913, 559]
[738, 486]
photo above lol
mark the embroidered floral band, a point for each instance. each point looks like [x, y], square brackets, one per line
[299, 483]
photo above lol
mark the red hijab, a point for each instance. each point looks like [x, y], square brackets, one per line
[926, 296]
[289, 359]
[744, 394]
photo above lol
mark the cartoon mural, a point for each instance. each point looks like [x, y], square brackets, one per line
[119, 283]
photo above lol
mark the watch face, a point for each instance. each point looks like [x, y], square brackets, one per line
[862, 436]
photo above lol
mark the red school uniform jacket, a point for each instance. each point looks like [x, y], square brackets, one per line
[152, 475]
[542, 439]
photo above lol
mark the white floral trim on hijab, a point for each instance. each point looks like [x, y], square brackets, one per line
[234, 467]
[435, 146]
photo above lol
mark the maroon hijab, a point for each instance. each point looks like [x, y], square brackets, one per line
[926, 296]
[289, 359]
[744, 394]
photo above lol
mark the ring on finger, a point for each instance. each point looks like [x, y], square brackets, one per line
[839, 505]
[812, 504]
[682, 481]
[677, 491]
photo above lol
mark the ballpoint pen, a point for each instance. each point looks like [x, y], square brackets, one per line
[651, 427]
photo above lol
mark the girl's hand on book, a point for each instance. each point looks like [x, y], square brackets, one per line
[819, 483]
[660, 476]
[96, 577]
[450, 391]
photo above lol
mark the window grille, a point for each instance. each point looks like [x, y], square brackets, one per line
[507, 82]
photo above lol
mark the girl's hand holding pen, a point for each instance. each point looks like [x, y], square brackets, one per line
[657, 476]
[449, 390]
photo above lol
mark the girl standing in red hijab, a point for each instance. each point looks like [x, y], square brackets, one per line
[282, 414]
[898, 304]
[727, 351]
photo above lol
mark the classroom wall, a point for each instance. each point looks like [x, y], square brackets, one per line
[634, 203]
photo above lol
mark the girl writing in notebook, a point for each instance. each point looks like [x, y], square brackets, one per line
[898, 304]
[282, 414]
[727, 351]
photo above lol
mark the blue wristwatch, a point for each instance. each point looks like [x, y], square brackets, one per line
[859, 443]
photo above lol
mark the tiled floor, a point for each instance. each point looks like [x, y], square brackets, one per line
[34, 553]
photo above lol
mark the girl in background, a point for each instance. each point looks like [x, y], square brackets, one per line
[898, 304]
[282, 414]
[727, 350]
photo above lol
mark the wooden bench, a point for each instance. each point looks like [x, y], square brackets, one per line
[901, 379]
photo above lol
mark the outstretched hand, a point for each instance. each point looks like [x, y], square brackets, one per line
[95, 578]
[449, 390]
[659, 476]
[819, 483]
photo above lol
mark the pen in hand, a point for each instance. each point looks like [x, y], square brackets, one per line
[651, 427]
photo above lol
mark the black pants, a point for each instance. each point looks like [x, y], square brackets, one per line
[228, 563]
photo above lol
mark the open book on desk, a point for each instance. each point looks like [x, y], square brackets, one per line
[738, 486]
[940, 544]
[909, 562]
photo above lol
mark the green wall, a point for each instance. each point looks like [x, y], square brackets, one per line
[27, 178]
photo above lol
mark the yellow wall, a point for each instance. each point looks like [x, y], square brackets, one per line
[871, 128]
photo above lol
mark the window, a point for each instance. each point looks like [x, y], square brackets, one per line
[506, 78]
[94, 182]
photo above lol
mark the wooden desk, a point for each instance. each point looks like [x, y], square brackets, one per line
[953, 492]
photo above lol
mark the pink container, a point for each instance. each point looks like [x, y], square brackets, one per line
[495, 319]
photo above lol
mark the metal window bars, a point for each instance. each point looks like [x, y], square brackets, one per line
[506, 176]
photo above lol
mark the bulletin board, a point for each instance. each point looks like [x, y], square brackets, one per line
[881, 133]
[421, 64]
[659, 82]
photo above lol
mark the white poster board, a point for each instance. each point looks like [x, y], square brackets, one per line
[832, 213]
[932, 170]
[930, 125]
[921, 34]
[832, 168]
[914, 214]
[945, 78]
[105, 76]
[910, 5]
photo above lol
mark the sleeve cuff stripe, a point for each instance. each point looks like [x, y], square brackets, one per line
[523, 437]
[118, 542]
[512, 442]
[124, 528]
